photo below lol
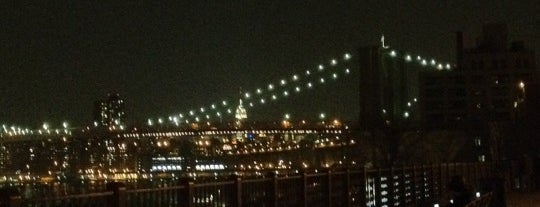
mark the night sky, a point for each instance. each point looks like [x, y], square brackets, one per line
[57, 59]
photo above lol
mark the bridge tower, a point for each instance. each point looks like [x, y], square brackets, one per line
[387, 86]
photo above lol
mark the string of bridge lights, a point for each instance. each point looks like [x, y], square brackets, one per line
[271, 92]
[282, 88]
[420, 60]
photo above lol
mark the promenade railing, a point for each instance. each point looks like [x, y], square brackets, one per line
[398, 186]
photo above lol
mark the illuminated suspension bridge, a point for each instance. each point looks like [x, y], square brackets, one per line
[289, 85]
[321, 75]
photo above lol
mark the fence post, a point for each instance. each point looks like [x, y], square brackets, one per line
[348, 187]
[10, 197]
[366, 193]
[118, 198]
[424, 183]
[185, 197]
[329, 187]
[442, 184]
[237, 191]
[273, 190]
[377, 187]
[391, 187]
[415, 186]
[304, 190]
[403, 187]
[434, 183]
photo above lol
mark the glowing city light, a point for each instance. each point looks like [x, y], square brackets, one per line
[347, 56]
[408, 58]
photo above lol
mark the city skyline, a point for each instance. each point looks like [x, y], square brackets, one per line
[58, 60]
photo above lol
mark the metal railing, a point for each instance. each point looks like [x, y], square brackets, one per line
[403, 186]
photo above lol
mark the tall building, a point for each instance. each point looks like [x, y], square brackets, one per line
[110, 112]
[240, 114]
[487, 90]
[488, 84]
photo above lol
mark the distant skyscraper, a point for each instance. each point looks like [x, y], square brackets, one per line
[110, 112]
[240, 114]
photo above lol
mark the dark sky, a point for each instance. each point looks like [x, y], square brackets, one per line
[57, 59]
